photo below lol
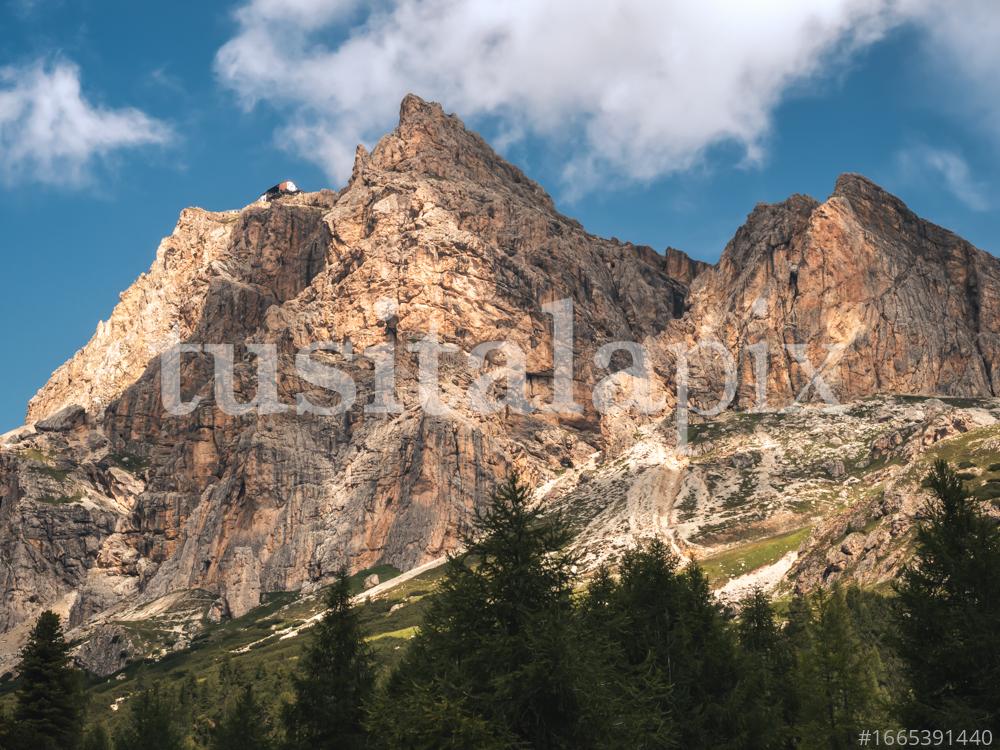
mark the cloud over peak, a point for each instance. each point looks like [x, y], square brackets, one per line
[645, 86]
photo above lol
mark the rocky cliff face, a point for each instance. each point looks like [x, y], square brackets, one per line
[262, 256]
[434, 232]
[115, 511]
[893, 303]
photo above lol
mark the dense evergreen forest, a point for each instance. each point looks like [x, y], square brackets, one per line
[513, 654]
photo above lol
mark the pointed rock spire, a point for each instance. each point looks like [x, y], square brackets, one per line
[432, 143]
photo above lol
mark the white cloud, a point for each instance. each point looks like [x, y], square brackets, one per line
[963, 43]
[946, 168]
[50, 133]
[641, 87]
[646, 85]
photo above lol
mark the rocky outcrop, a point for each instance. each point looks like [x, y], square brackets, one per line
[754, 498]
[63, 420]
[111, 506]
[266, 254]
[108, 650]
[869, 539]
[57, 509]
[682, 267]
[434, 232]
[892, 303]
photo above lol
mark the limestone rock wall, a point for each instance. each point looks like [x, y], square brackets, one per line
[110, 505]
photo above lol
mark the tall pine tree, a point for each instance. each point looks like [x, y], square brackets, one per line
[502, 660]
[670, 623]
[49, 709]
[949, 620]
[335, 681]
[765, 666]
[836, 678]
[244, 726]
[155, 722]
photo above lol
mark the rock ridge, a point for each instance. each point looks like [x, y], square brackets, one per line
[112, 507]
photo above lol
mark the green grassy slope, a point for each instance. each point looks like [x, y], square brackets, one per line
[261, 648]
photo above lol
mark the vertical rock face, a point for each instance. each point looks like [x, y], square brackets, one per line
[269, 255]
[682, 267]
[433, 233]
[895, 304]
[118, 504]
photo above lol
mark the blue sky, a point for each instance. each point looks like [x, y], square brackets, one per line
[657, 123]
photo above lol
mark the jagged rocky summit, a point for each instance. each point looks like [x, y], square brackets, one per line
[114, 511]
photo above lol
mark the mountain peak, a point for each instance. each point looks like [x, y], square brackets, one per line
[851, 183]
[432, 143]
[425, 127]
[131, 502]
[863, 194]
[414, 108]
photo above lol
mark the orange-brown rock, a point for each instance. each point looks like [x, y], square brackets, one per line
[433, 232]
[898, 304]
[117, 505]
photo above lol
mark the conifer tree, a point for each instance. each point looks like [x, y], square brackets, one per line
[155, 722]
[49, 709]
[756, 626]
[640, 687]
[765, 668]
[671, 623]
[796, 628]
[244, 726]
[335, 681]
[502, 660]
[836, 677]
[96, 738]
[949, 619]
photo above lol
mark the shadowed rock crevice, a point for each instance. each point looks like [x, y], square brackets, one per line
[121, 508]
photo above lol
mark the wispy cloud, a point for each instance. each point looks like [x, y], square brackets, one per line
[946, 168]
[962, 46]
[644, 86]
[51, 133]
